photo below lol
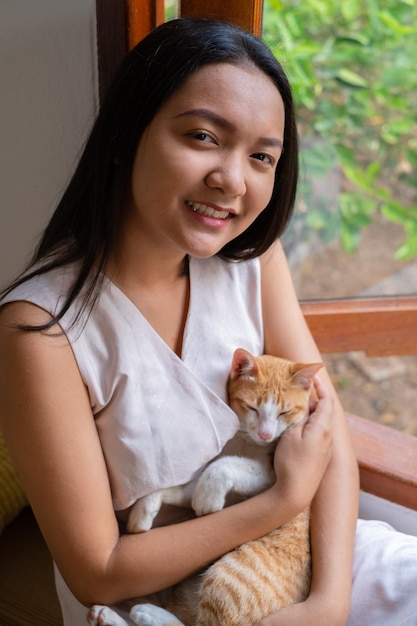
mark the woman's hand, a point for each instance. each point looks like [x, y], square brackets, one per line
[303, 452]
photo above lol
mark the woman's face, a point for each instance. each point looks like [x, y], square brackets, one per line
[204, 169]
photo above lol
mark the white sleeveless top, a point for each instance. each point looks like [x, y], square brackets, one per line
[160, 418]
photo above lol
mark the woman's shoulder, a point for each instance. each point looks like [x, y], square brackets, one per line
[20, 313]
[43, 289]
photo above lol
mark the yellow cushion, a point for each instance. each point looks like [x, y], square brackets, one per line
[12, 496]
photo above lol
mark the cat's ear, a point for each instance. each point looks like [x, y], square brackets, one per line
[304, 373]
[243, 364]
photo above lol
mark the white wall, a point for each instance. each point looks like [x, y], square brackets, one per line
[48, 95]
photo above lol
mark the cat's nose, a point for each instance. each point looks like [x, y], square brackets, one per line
[265, 435]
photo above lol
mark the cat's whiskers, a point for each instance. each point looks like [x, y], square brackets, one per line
[242, 433]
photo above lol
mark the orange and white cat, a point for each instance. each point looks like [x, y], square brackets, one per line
[269, 395]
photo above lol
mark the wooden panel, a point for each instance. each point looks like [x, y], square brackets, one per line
[142, 17]
[380, 326]
[120, 25]
[387, 461]
[111, 40]
[247, 14]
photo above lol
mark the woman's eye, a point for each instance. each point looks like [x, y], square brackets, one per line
[202, 136]
[264, 158]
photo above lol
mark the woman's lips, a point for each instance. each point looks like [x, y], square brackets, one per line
[210, 210]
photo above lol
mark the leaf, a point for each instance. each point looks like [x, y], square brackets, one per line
[393, 24]
[350, 239]
[350, 78]
[407, 250]
[350, 9]
[358, 39]
[396, 212]
[345, 155]
[358, 177]
[373, 170]
[356, 209]
[326, 222]
[412, 157]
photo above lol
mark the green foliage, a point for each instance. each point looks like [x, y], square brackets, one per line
[171, 9]
[352, 66]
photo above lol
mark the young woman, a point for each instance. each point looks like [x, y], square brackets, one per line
[163, 257]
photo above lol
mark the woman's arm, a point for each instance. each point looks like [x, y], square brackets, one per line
[48, 425]
[335, 506]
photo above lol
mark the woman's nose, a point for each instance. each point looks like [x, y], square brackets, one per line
[228, 176]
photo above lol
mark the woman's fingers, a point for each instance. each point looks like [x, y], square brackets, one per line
[303, 452]
[322, 414]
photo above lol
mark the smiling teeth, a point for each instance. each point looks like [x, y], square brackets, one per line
[208, 211]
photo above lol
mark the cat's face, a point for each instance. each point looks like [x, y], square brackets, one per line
[269, 394]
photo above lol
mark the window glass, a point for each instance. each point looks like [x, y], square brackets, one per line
[352, 67]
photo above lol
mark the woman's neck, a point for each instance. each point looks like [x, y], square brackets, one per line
[139, 263]
[161, 291]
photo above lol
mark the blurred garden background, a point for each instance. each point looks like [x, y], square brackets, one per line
[352, 66]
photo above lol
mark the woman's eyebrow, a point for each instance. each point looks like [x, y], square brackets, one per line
[209, 115]
[224, 123]
[271, 142]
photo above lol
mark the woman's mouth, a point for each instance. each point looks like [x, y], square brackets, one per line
[209, 211]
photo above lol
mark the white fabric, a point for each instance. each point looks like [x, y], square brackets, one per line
[73, 612]
[384, 577]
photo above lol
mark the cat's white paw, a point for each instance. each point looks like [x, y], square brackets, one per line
[210, 492]
[143, 513]
[151, 615]
[100, 615]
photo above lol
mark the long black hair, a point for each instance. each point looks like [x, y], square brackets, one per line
[86, 224]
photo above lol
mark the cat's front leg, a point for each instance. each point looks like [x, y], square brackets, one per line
[143, 512]
[145, 509]
[151, 615]
[228, 474]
